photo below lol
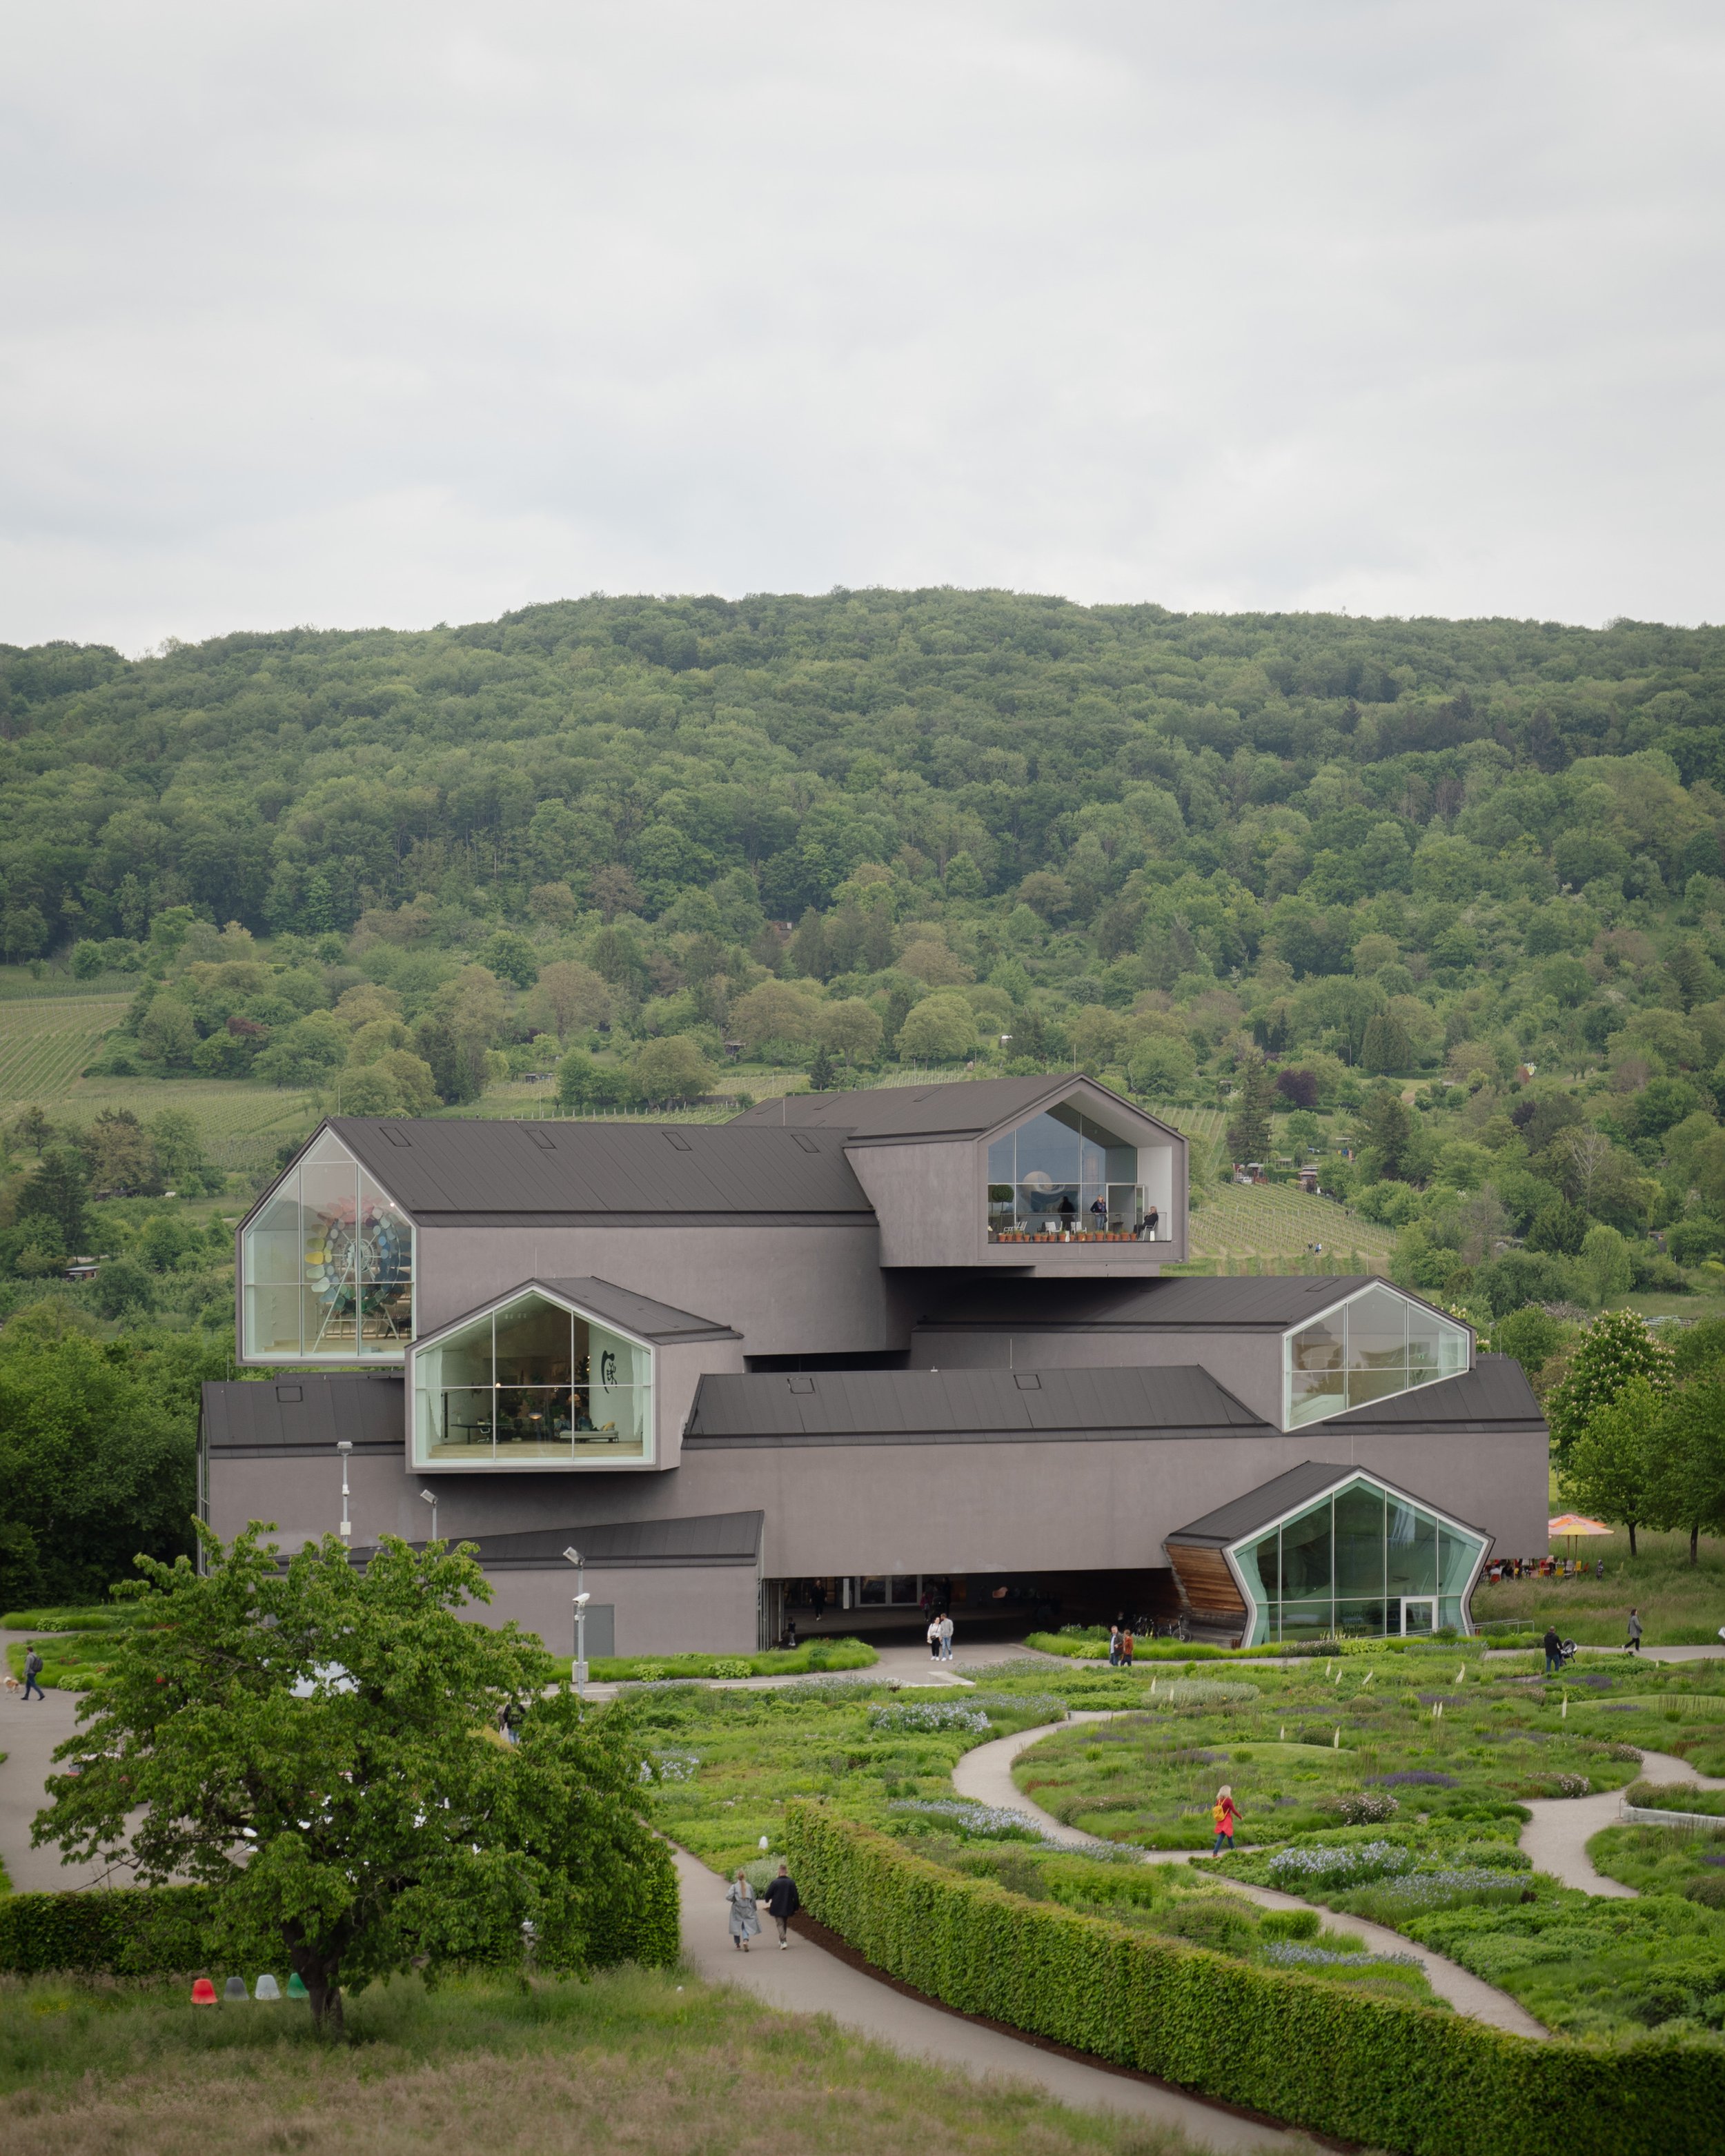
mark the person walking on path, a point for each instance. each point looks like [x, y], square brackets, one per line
[1224, 1815]
[1553, 1647]
[1632, 1645]
[745, 1923]
[1114, 1646]
[33, 1671]
[783, 1904]
[1127, 1646]
[934, 1639]
[947, 1637]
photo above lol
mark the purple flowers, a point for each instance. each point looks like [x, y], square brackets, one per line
[1426, 1777]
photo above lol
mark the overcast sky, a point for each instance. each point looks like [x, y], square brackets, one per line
[374, 313]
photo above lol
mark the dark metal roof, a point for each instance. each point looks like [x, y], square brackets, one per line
[658, 1323]
[449, 1172]
[717, 1538]
[967, 1109]
[919, 1407]
[1493, 1395]
[291, 1410]
[1185, 1303]
[1287, 1493]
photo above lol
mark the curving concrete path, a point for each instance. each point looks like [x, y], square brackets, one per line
[986, 1775]
[1557, 1836]
[805, 1979]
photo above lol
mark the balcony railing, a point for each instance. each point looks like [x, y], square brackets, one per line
[1082, 1228]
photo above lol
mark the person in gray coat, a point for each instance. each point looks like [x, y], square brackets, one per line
[745, 1922]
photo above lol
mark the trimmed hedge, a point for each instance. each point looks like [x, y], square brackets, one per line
[160, 1931]
[1395, 2076]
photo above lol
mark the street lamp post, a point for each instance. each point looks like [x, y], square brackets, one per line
[578, 1671]
[344, 1448]
[429, 1497]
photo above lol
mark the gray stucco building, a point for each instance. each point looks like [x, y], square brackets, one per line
[843, 1347]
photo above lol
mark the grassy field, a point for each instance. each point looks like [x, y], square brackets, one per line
[1680, 1604]
[655, 2064]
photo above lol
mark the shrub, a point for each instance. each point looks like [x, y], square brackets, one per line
[928, 1718]
[1366, 1807]
[1389, 2073]
[170, 1931]
[1300, 1870]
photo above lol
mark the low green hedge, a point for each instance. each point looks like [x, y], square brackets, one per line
[812, 1655]
[1368, 2069]
[160, 1931]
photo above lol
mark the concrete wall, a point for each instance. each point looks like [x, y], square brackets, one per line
[931, 1200]
[789, 1290]
[1079, 1505]
[711, 1608]
[1248, 1364]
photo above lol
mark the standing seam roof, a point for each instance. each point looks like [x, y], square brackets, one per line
[458, 1169]
[958, 1111]
[1285, 1493]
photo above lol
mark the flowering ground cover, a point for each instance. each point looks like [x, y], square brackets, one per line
[1663, 1860]
[1327, 1743]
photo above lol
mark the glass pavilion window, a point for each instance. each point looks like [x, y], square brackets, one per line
[326, 1267]
[532, 1383]
[1376, 1344]
[1061, 1174]
[1362, 1562]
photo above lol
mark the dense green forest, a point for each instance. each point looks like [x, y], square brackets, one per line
[1438, 906]
[1265, 861]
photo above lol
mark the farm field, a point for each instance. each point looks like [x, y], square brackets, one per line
[46, 1041]
[1273, 1222]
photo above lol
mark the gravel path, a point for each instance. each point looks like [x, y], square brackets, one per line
[986, 1775]
[1558, 1835]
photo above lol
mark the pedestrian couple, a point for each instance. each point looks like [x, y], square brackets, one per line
[939, 1637]
[783, 1904]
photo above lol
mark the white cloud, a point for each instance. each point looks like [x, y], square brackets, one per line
[404, 313]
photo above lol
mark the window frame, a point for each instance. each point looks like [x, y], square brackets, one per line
[325, 1150]
[1344, 1370]
[631, 1462]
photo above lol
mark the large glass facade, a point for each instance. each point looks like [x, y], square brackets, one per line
[1362, 1562]
[326, 1268]
[532, 1383]
[1376, 1344]
[1062, 1175]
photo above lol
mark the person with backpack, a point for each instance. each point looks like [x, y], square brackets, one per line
[33, 1671]
[1224, 1816]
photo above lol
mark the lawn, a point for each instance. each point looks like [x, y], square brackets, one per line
[1679, 1603]
[657, 2064]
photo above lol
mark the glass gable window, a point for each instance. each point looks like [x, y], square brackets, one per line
[533, 1383]
[1376, 1344]
[326, 1268]
[1362, 1562]
[1061, 1174]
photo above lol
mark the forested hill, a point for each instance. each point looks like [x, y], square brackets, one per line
[1249, 776]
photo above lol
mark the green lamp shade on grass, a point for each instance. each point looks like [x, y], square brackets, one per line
[296, 1989]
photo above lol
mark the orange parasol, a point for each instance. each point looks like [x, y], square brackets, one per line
[1572, 1526]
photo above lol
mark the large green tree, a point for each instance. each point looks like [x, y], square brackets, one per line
[1687, 1465]
[318, 1743]
[1610, 1471]
[1615, 1349]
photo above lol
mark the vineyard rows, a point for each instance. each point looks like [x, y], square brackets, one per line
[45, 1042]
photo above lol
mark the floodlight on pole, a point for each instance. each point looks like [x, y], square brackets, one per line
[577, 1671]
[343, 1447]
[429, 1497]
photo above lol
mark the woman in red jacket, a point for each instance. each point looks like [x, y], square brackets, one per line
[1224, 1816]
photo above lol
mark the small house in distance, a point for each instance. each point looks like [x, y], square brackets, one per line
[844, 1351]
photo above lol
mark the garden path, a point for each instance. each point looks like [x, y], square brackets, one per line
[985, 1774]
[807, 1980]
[1558, 1835]
[28, 1734]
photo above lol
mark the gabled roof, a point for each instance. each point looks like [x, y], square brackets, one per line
[1182, 1303]
[455, 1172]
[969, 1109]
[656, 1322]
[1495, 1395]
[920, 1407]
[1283, 1494]
[294, 1410]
